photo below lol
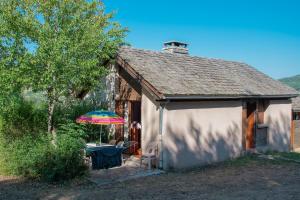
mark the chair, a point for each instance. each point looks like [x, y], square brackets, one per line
[120, 144]
[128, 145]
[149, 155]
[112, 142]
[126, 149]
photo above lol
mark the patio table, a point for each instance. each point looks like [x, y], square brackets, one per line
[92, 144]
[104, 156]
[90, 147]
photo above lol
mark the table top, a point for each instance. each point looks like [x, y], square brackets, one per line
[99, 145]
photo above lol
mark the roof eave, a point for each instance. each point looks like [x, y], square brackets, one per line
[220, 97]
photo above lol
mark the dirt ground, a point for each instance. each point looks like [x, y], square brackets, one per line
[242, 179]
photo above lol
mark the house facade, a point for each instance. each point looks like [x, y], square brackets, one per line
[197, 110]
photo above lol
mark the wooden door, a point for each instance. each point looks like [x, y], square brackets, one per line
[251, 120]
[295, 136]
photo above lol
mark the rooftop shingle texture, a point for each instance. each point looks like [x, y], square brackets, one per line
[173, 74]
[296, 104]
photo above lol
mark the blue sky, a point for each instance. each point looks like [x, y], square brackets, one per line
[262, 33]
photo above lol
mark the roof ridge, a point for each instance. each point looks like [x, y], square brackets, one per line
[184, 55]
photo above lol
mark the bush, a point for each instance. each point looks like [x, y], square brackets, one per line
[63, 162]
[27, 150]
[20, 117]
[68, 112]
[20, 156]
[72, 129]
[37, 157]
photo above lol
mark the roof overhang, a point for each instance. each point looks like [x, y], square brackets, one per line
[224, 97]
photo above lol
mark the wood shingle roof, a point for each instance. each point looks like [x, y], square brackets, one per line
[184, 75]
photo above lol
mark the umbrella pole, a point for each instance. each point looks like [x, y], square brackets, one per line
[100, 134]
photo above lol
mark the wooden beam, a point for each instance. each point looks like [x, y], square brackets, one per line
[260, 112]
[128, 88]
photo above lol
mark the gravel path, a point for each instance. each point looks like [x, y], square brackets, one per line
[245, 179]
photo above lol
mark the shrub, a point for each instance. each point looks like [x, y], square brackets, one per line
[26, 148]
[63, 162]
[66, 159]
[72, 129]
[68, 112]
[19, 157]
[37, 157]
[21, 117]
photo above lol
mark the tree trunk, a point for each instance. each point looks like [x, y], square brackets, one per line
[50, 115]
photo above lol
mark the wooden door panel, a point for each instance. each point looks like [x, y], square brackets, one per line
[250, 131]
[296, 134]
[251, 121]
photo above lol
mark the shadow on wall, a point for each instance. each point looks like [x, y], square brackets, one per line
[279, 132]
[150, 123]
[202, 148]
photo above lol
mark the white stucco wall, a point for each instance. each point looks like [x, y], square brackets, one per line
[149, 121]
[200, 133]
[278, 118]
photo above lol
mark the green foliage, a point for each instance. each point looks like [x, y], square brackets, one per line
[70, 110]
[72, 129]
[20, 156]
[73, 41]
[293, 81]
[32, 154]
[66, 112]
[60, 47]
[54, 51]
[20, 117]
[37, 157]
[65, 161]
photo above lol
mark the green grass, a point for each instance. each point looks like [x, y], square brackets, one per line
[279, 158]
[287, 155]
[241, 160]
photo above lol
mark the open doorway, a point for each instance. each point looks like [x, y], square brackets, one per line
[251, 123]
[135, 125]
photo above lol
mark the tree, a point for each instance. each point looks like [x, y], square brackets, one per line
[60, 47]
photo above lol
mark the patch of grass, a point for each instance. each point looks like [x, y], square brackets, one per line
[257, 160]
[241, 161]
[287, 155]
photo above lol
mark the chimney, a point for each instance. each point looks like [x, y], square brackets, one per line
[175, 47]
